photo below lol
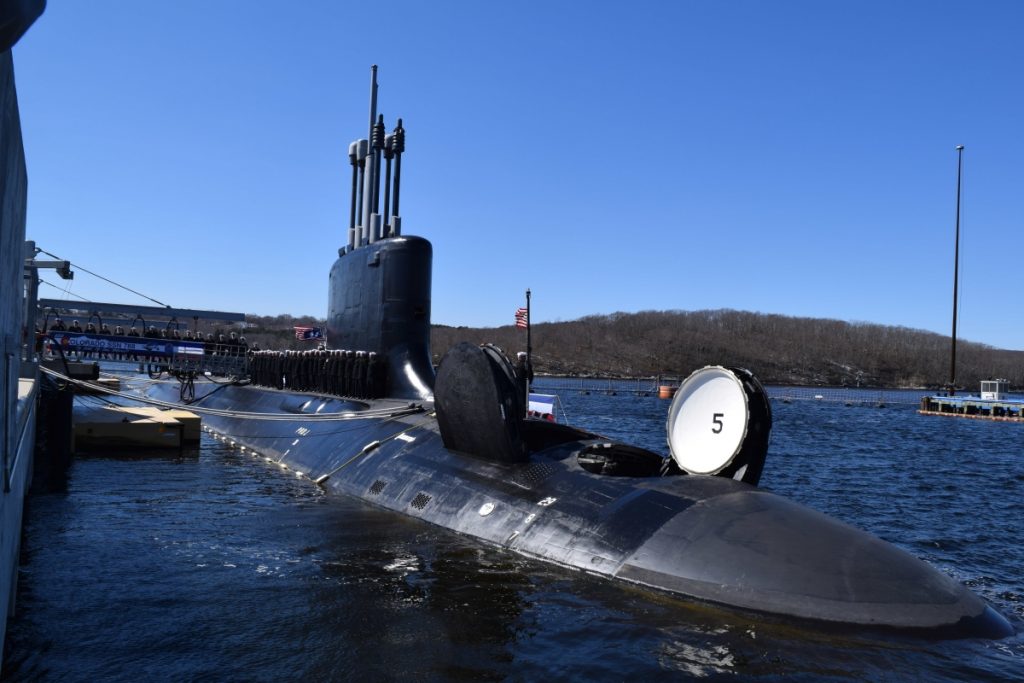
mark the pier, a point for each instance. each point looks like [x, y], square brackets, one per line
[973, 407]
[18, 371]
[993, 403]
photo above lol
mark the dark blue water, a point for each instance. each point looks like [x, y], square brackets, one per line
[214, 565]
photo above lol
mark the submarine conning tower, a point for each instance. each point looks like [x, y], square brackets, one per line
[379, 291]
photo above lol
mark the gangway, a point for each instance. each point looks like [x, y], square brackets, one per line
[159, 354]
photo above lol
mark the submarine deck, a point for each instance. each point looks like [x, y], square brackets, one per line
[711, 539]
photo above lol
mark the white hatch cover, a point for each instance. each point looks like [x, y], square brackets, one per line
[707, 421]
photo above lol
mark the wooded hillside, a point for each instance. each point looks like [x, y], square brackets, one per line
[778, 349]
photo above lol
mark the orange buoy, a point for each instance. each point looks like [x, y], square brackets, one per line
[666, 391]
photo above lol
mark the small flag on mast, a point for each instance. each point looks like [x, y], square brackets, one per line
[522, 318]
[309, 333]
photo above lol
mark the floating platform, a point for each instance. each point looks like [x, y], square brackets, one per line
[118, 427]
[191, 424]
[974, 407]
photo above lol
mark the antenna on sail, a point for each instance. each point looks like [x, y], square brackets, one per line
[398, 146]
[956, 267]
[369, 208]
[365, 225]
[377, 146]
[357, 157]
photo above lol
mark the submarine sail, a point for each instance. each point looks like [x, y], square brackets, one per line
[457, 450]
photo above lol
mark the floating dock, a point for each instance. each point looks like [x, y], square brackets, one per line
[119, 427]
[994, 403]
[974, 407]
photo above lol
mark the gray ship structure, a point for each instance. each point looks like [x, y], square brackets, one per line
[454, 448]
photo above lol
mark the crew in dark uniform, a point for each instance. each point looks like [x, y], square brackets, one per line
[134, 332]
[104, 330]
[373, 388]
[90, 328]
[306, 374]
[243, 352]
[338, 372]
[119, 332]
[359, 375]
[151, 333]
[323, 379]
[75, 327]
[58, 325]
[290, 370]
[278, 369]
[350, 361]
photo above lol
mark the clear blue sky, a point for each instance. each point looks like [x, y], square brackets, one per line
[783, 157]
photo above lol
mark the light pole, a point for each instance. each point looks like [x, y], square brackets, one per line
[956, 267]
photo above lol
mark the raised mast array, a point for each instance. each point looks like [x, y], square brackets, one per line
[365, 223]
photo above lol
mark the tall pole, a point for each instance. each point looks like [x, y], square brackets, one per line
[956, 267]
[529, 347]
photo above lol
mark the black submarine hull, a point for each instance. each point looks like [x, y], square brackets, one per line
[710, 539]
[454, 449]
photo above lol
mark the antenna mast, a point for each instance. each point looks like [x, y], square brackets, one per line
[365, 155]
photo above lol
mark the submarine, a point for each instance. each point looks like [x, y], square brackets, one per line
[453, 446]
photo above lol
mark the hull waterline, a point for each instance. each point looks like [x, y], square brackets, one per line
[711, 539]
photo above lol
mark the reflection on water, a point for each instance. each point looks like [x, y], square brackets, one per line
[215, 565]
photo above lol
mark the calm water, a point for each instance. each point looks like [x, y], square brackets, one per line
[216, 566]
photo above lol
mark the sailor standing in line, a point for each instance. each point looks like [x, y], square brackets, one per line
[90, 328]
[288, 370]
[104, 330]
[325, 370]
[133, 332]
[119, 331]
[360, 374]
[350, 361]
[337, 381]
[372, 376]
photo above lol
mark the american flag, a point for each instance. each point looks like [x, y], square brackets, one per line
[309, 333]
[522, 318]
